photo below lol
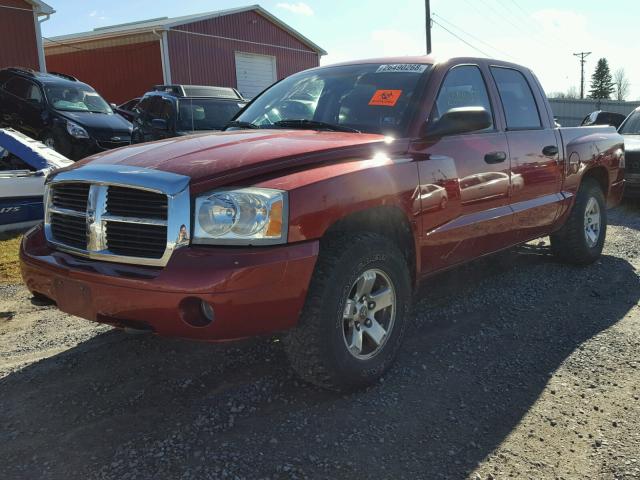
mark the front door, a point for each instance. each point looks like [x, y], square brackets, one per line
[536, 173]
[464, 180]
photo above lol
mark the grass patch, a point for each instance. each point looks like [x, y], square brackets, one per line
[9, 262]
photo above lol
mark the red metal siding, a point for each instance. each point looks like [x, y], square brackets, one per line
[205, 60]
[118, 73]
[18, 46]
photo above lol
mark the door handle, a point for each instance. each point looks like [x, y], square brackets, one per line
[550, 151]
[495, 157]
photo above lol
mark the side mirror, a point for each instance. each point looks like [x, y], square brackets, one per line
[459, 120]
[113, 106]
[159, 124]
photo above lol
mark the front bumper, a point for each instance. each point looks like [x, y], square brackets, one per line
[252, 291]
[80, 148]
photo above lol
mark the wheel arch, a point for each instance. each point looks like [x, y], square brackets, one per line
[601, 175]
[388, 221]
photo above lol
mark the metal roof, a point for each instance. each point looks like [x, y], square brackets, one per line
[164, 23]
[41, 8]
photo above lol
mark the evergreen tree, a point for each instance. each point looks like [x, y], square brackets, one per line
[602, 85]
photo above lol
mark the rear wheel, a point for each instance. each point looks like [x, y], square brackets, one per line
[354, 319]
[581, 239]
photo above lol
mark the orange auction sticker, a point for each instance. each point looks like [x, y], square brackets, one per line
[385, 98]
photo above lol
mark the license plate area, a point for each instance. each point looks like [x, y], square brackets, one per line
[72, 297]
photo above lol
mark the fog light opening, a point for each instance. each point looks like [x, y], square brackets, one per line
[207, 311]
[196, 312]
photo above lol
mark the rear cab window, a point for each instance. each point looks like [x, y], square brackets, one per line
[519, 105]
[206, 113]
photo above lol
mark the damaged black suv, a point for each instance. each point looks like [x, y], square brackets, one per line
[60, 111]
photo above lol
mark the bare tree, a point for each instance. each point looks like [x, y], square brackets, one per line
[572, 93]
[621, 84]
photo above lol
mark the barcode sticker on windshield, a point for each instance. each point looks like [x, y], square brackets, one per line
[402, 67]
[385, 98]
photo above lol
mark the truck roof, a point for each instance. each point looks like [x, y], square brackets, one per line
[430, 60]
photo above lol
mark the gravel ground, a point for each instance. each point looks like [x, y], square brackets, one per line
[516, 367]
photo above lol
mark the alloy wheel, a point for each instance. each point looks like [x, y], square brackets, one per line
[369, 314]
[592, 220]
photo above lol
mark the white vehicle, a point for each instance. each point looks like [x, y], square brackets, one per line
[24, 166]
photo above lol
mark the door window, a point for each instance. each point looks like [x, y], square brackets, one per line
[143, 107]
[517, 99]
[462, 87]
[19, 87]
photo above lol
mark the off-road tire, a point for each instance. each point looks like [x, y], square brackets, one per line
[316, 347]
[569, 243]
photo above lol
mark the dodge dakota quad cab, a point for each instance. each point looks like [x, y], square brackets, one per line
[315, 215]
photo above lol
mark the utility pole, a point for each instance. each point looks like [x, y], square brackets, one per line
[582, 56]
[427, 9]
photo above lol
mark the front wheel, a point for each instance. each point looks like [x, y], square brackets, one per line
[354, 318]
[57, 143]
[581, 239]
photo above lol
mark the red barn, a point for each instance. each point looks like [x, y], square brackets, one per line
[20, 38]
[245, 48]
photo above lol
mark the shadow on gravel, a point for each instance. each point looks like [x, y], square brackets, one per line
[485, 340]
[626, 215]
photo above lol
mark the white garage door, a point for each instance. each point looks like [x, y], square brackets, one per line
[254, 73]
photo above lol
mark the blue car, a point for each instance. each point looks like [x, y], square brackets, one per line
[24, 166]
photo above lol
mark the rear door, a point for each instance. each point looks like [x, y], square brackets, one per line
[536, 171]
[472, 216]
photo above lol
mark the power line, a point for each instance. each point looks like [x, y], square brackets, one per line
[474, 37]
[486, 12]
[460, 38]
[527, 21]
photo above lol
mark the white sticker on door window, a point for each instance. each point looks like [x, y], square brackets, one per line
[402, 67]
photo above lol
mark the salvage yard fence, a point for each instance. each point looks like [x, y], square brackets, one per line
[571, 112]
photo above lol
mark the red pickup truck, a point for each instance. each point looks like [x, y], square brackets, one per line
[328, 198]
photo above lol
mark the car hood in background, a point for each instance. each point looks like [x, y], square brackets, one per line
[230, 156]
[631, 143]
[98, 121]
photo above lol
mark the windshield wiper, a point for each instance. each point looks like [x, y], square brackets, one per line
[240, 124]
[314, 125]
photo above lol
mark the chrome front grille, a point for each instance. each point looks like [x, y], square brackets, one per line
[69, 229]
[93, 212]
[71, 196]
[126, 201]
[136, 240]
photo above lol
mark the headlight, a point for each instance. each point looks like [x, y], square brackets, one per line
[247, 216]
[76, 130]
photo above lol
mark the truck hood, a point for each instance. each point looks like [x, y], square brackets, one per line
[217, 158]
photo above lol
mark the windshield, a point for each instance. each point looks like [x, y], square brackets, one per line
[631, 125]
[76, 99]
[205, 113]
[372, 98]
